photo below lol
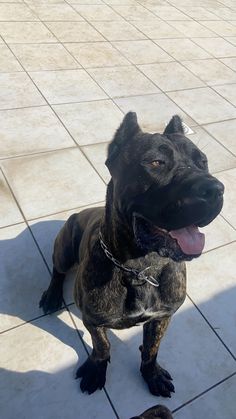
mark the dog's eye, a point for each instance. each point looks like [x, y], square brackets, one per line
[157, 163]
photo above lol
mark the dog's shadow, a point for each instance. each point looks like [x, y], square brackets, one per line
[26, 266]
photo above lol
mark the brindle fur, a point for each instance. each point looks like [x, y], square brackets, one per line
[111, 298]
[155, 412]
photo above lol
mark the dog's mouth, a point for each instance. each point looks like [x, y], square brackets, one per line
[181, 244]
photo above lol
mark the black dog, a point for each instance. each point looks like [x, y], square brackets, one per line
[131, 254]
[155, 412]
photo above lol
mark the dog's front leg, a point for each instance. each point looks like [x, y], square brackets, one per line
[158, 379]
[93, 371]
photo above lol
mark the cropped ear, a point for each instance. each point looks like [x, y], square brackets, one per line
[127, 130]
[175, 126]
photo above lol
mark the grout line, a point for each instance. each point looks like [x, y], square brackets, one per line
[25, 220]
[214, 138]
[67, 210]
[204, 392]
[35, 153]
[211, 327]
[23, 107]
[221, 245]
[228, 222]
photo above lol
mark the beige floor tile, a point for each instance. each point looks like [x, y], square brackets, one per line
[55, 182]
[16, 12]
[90, 122]
[156, 29]
[218, 233]
[219, 401]
[36, 57]
[39, 361]
[154, 111]
[180, 356]
[123, 81]
[44, 2]
[211, 71]
[55, 12]
[210, 4]
[24, 32]
[218, 157]
[221, 28]
[223, 131]
[218, 47]
[228, 92]
[192, 29]
[9, 212]
[170, 76]
[118, 2]
[122, 31]
[97, 154]
[24, 277]
[231, 39]
[67, 86]
[230, 62]
[97, 12]
[228, 178]
[97, 54]
[204, 105]
[18, 91]
[8, 63]
[211, 285]
[31, 130]
[168, 13]
[74, 31]
[12, 1]
[225, 13]
[142, 52]
[89, 2]
[182, 49]
[199, 13]
[133, 12]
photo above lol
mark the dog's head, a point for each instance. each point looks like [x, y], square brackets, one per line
[162, 187]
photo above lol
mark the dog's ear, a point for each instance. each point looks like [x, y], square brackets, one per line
[175, 126]
[127, 130]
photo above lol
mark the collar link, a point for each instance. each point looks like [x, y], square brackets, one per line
[140, 275]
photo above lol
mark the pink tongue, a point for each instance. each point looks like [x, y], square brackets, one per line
[189, 239]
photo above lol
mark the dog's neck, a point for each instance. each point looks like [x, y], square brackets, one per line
[117, 232]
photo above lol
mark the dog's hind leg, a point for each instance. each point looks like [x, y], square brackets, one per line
[158, 379]
[65, 255]
[93, 371]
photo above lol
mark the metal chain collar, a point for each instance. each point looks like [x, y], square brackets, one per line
[139, 274]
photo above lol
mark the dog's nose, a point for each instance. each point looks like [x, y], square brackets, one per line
[211, 190]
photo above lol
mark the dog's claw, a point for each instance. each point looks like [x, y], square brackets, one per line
[159, 381]
[93, 374]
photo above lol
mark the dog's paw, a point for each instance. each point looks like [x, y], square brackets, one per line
[51, 300]
[158, 380]
[93, 374]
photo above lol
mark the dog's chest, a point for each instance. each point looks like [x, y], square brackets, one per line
[145, 304]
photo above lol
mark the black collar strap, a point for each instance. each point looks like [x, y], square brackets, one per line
[138, 274]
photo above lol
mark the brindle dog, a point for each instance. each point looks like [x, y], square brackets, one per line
[155, 412]
[160, 192]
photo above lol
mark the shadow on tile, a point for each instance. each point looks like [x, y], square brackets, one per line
[183, 357]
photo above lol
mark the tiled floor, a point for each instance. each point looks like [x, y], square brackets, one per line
[69, 70]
